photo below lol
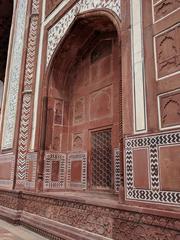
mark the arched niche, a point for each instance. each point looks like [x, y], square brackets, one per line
[83, 104]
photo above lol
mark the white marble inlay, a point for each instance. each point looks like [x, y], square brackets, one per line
[14, 76]
[140, 122]
[57, 32]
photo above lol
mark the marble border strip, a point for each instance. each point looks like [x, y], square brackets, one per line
[14, 76]
[138, 75]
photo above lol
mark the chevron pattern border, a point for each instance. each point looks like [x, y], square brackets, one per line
[117, 170]
[25, 125]
[152, 143]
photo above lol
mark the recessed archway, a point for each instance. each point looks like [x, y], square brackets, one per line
[83, 114]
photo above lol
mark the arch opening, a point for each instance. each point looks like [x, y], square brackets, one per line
[83, 103]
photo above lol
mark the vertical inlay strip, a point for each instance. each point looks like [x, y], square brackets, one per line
[14, 76]
[138, 67]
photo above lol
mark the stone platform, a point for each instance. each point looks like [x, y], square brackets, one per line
[12, 232]
[88, 216]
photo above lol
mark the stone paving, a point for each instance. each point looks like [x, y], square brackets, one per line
[11, 232]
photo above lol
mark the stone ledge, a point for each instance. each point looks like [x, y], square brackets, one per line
[47, 227]
[65, 219]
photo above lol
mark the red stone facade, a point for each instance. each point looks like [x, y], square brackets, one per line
[90, 140]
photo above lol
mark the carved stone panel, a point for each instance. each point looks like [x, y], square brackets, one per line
[167, 52]
[59, 107]
[57, 136]
[101, 104]
[169, 104]
[77, 143]
[165, 7]
[79, 110]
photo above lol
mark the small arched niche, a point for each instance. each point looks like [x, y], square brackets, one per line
[6, 11]
[83, 110]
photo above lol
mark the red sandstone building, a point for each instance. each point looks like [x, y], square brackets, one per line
[90, 118]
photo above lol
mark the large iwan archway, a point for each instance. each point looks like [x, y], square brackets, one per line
[83, 106]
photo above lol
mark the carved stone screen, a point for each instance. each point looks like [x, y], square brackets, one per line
[101, 157]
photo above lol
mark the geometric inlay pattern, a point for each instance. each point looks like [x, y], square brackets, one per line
[117, 170]
[25, 122]
[31, 159]
[14, 76]
[153, 143]
[57, 32]
[101, 157]
[50, 180]
[77, 156]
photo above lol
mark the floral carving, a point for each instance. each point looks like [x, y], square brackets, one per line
[104, 221]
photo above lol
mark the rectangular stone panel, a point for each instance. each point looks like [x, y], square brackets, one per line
[59, 108]
[7, 164]
[101, 104]
[49, 123]
[79, 110]
[77, 141]
[30, 171]
[57, 136]
[5, 170]
[141, 168]
[76, 169]
[55, 171]
[164, 8]
[31, 165]
[169, 109]
[167, 52]
[170, 168]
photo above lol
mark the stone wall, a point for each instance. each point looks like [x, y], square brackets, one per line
[71, 219]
